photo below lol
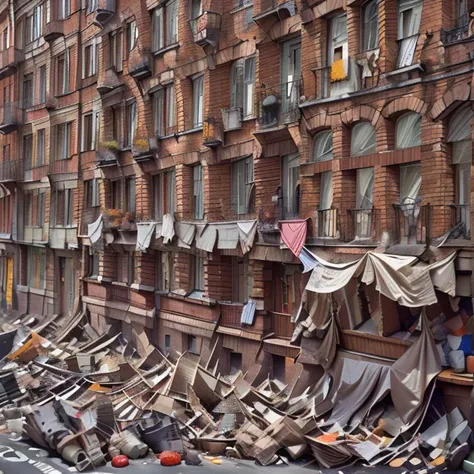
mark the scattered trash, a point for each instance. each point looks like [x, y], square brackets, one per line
[120, 461]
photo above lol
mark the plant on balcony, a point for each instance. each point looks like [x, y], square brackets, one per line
[110, 145]
[113, 218]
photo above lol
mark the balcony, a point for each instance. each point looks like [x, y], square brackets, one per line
[326, 87]
[279, 105]
[412, 223]
[108, 155]
[232, 119]
[328, 225]
[108, 81]
[458, 32]
[144, 149]
[10, 170]
[104, 12]
[36, 173]
[206, 29]
[281, 325]
[212, 132]
[360, 225]
[53, 30]
[10, 118]
[9, 59]
[68, 166]
[139, 64]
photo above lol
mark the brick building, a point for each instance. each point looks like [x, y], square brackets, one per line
[145, 142]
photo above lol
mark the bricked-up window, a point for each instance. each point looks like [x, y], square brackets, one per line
[92, 193]
[196, 9]
[28, 151]
[64, 9]
[408, 130]
[130, 123]
[40, 147]
[290, 184]
[243, 85]
[164, 271]
[62, 72]
[164, 111]
[410, 183]
[240, 280]
[290, 75]
[63, 208]
[63, 141]
[42, 85]
[90, 59]
[115, 50]
[165, 25]
[28, 91]
[371, 25]
[243, 186]
[198, 193]
[91, 5]
[460, 136]
[198, 101]
[90, 125]
[130, 195]
[409, 19]
[116, 193]
[36, 268]
[132, 36]
[363, 139]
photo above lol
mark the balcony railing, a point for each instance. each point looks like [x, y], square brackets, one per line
[206, 28]
[9, 58]
[328, 223]
[461, 216]
[360, 225]
[282, 325]
[10, 170]
[458, 32]
[279, 104]
[104, 12]
[412, 223]
[231, 315]
[10, 117]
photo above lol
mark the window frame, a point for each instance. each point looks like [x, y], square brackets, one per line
[241, 192]
[131, 194]
[63, 141]
[366, 43]
[290, 187]
[28, 91]
[131, 120]
[36, 268]
[317, 137]
[40, 147]
[43, 84]
[198, 101]
[198, 276]
[418, 125]
[367, 148]
[92, 193]
[198, 192]
[164, 111]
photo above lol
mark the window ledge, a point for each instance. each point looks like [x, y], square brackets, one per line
[120, 283]
[22, 288]
[37, 291]
[164, 50]
[139, 287]
[91, 279]
[192, 130]
[413, 67]
[239, 9]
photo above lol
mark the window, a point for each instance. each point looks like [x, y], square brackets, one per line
[198, 276]
[117, 124]
[115, 50]
[327, 224]
[91, 6]
[167, 343]
[40, 147]
[36, 267]
[198, 101]
[62, 73]
[240, 280]
[37, 23]
[63, 141]
[462, 13]
[64, 9]
[235, 362]
[290, 74]
[116, 193]
[89, 131]
[364, 202]
[408, 130]
[126, 267]
[131, 123]
[410, 183]
[164, 194]
[192, 344]
[409, 19]
[28, 91]
[165, 271]
[322, 146]
[196, 9]
[198, 200]
[363, 139]
[290, 185]
[371, 25]
[164, 111]
[94, 266]
[172, 22]
[5, 39]
[42, 84]
[242, 85]
[28, 151]
[243, 186]
[63, 209]
[130, 195]
[90, 60]
[132, 36]
[34, 207]
[165, 26]
[92, 193]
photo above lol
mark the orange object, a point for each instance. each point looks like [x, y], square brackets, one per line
[170, 458]
[34, 342]
[338, 72]
[95, 387]
[327, 438]
[120, 461]
[470, 364]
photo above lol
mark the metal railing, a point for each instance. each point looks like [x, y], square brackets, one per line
[413, 223]
[459, 30]
[328, 224]
[461, 216]
[360, 224]
[282, 325]
[279, 104]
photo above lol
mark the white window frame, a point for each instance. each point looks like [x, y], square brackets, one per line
[172, 22]
[164, 110]
[198, 274]
[196, 9]
[408, 20]
[94, 117]
[64, 9]
[131, 121]
[64, 147]
[37, 22]
[92, 193]
[198, 192]
[198, 101]
[243, 85]
[40, 147]
[43, 84]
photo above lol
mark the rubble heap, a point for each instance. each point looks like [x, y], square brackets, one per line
[91, 397]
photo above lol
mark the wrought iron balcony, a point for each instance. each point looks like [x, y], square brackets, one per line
[279, 104]
[328, 225]
[9, 59]
[104, 12]
[458, 32]
[206, 28]
[10, 118]
[360, 225]
[10, 170]
[412, 222]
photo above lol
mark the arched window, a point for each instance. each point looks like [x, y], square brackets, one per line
[408, 130]
[322, 146]
[363, 139]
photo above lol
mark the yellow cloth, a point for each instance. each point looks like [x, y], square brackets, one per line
[338, 72]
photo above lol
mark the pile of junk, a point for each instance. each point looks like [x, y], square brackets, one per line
[90, 397]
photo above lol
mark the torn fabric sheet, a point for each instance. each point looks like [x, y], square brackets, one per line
[144, 233]
[168, 228]
[158, 230]
[412, 373]
[247, 232]
[308, 260]
[207, 240]
[293, 234]
[228, 236]
[185, 233]
[94, 230]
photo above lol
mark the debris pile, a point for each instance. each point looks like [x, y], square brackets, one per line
[93, 398]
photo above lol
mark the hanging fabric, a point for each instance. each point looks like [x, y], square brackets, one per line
[293, 234]
[410, 182]
[363, 139]
[364, 188]
[323, 147]
[460, 125]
